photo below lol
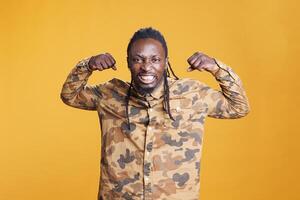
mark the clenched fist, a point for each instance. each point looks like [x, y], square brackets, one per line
[201, 62]
[101, 62]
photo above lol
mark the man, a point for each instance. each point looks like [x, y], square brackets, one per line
[152, 128]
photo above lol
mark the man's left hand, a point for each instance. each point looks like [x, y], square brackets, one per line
[201, 62]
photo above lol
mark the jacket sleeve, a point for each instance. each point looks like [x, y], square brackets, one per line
[76, 92]
[229, 103]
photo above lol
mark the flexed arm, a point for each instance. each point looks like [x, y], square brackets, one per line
[76, 92]
[231, 102]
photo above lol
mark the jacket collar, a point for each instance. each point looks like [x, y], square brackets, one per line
[157, 93]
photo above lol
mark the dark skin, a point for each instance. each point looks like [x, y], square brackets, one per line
[147, 62]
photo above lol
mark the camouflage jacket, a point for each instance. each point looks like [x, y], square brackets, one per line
[155, 157]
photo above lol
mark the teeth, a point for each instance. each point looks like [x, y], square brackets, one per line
[147, 78]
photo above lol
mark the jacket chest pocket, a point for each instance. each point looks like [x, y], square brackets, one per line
[182, 113]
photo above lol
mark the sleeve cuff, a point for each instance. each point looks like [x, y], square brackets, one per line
[83, 65]
[224, 72]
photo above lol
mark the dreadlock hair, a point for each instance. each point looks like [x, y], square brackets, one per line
[145, 33]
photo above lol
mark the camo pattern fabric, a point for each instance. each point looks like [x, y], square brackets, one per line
[153, 157]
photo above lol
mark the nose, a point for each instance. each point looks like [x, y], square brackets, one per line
[146, 66]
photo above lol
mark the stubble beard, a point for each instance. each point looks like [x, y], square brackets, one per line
[147, 90]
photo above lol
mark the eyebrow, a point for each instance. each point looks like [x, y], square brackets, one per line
[141, 56]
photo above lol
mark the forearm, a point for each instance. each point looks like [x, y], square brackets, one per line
[75, 91]
[231, 101]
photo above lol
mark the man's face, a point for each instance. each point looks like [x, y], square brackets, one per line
[147, 61]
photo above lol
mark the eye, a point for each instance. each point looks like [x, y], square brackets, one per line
[155, 60]
[136, 60]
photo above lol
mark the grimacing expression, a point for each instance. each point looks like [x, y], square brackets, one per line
[147, 61]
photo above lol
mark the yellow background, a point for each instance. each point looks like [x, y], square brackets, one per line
[51, 151]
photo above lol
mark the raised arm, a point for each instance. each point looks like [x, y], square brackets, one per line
[76, 92]
[231, 101]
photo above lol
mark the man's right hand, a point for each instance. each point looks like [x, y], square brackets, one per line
[101, 62]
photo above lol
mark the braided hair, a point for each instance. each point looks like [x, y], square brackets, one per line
[145, 33]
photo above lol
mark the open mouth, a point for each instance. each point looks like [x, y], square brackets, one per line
[146, 78]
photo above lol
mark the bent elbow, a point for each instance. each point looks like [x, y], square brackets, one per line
[242, 112]
[65, 99]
